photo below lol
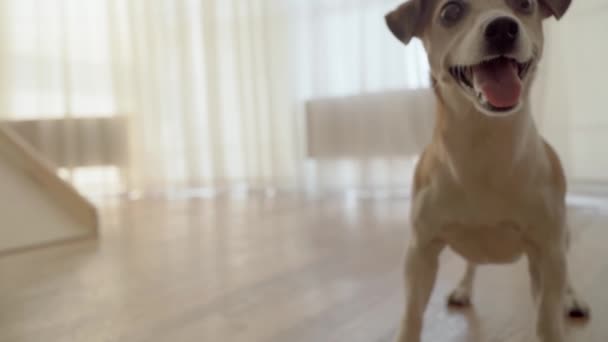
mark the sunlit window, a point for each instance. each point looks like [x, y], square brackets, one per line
[59, 59]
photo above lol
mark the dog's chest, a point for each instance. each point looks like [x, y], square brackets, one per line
[501, 242]
[482, 226]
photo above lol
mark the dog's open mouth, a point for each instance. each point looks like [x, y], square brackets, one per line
[497, 83]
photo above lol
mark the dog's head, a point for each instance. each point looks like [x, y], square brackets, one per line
[480, 51]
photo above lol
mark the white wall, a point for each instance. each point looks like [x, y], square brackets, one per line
[571, 90]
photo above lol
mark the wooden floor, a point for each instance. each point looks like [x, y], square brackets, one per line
[281, 269]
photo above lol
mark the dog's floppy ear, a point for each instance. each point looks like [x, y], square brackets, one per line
[556, 8]
[407, 21]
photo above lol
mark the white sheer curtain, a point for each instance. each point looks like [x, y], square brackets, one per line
[212, 91]
[344, 48]
[207, 92]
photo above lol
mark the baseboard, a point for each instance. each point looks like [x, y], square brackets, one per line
[589, 188]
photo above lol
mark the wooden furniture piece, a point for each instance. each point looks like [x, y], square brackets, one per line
[37, 206]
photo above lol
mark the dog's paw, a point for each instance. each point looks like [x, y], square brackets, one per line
[576, 308]
[460, 298]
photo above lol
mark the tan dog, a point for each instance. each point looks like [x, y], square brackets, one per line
[488, 185]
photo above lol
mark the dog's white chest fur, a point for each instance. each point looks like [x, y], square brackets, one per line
[482, 226]
[501, 242]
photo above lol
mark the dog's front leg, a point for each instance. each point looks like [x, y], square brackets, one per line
[551, 265]
[422, 263]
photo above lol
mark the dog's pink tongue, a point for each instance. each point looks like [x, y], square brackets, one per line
[499, 82]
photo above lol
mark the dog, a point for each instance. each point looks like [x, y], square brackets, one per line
[488, 186]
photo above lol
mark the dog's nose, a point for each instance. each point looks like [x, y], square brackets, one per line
[501, 34]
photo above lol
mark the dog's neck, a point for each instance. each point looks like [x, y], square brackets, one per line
[474, 145]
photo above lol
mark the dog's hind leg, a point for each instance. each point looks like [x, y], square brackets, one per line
[461, 296]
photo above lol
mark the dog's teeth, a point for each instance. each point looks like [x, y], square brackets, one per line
[462, 74]
[482, 99]
[525, 69]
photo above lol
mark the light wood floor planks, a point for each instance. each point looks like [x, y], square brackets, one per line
[285, 269]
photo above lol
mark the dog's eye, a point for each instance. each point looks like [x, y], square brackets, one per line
[524, 6]
[452, 12]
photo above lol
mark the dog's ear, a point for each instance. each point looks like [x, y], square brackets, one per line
[407, 21]
[556, 8]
